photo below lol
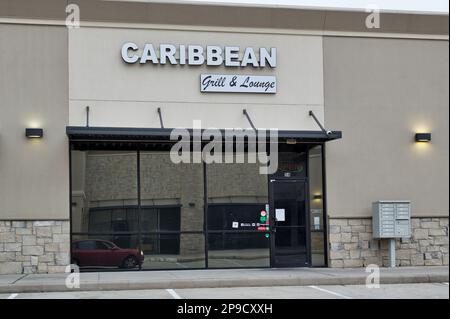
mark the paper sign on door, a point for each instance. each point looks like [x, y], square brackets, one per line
[280, 214]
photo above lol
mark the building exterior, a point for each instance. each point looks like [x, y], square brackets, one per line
[107, 95]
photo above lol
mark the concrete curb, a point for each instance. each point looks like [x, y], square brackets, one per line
[184, 283]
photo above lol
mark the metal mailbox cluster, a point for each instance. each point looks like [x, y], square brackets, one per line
[391, 219]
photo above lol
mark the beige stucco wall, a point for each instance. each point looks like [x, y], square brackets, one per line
[34, 174]
[379, 92]
[126, 95]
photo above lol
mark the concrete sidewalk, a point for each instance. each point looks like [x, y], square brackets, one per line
[180, 279]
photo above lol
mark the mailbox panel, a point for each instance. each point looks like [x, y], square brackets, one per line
[391, 219]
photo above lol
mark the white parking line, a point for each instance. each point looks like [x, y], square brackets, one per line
[12, 296]
[173, 294]
[330, 292]
[445, 283]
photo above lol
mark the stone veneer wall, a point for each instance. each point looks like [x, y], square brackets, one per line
[352, 245]
[34, 246]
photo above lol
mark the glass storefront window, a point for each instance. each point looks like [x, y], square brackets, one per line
[316, 207]
[141, 203]
[173, 251]
[237, 195]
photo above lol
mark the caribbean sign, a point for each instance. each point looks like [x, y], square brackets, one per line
[238, 83]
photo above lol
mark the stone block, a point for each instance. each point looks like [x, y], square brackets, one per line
[334, 229]
[359, 229]
[405, 262]
[372, 261]
[338, 222]
[368, 253]
[47, 258]
[44, 232]
[403, 254]
[64, 247]
[19, 224]
[10, 268]
[22, 258]
[351, 246]
[336, 246]
[346, 237]
[363, 244]
[61, 238]
[28, 240]
[346, 229]
[62, 259]
[9, 237]
[433, 262]
[56, 229]
[417, 260]
[56, 269]
[367, 221]
[437, 232]
[365, 236]
[353, 263]
[7, 256]
[65, 227]
[13, 247]
[42, 268]
[430, 225]
[33, 250]
[52, 247]
[354, 222]
[29, 269]
[34, 260]
[339, 254]
[442, 240]
[420, 234]
[355, 254]
[43, 223]
[23, 231]
[335, 238]
[445, 259]
[336, 263]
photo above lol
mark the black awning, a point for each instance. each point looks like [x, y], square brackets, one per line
[163, 134]
[120, 137]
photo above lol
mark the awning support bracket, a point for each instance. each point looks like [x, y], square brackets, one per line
[249, 120]
[87, 116]
[311, 113]
[160, 117]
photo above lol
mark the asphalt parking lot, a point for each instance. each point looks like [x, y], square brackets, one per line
[391, 291]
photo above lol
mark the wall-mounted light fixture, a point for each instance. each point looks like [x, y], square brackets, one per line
[34, 132]
[317, 197]
[422, 137]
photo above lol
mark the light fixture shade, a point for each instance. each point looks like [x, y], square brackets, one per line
[423, 137]
[34, 132]
[317, 196]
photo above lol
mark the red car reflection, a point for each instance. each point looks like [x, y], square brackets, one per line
[95, 252]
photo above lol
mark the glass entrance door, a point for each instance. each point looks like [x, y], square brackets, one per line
[289, 219]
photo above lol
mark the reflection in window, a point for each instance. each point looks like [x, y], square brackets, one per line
[316, 207]
[172, 197]
[104, 191]
[237, 195]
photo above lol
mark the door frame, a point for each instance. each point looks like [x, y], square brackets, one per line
[305, 183]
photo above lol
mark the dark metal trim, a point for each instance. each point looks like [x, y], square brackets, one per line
[87, 116]
[160, 117]
[325, 206]
[77, 133]
[249, 119]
